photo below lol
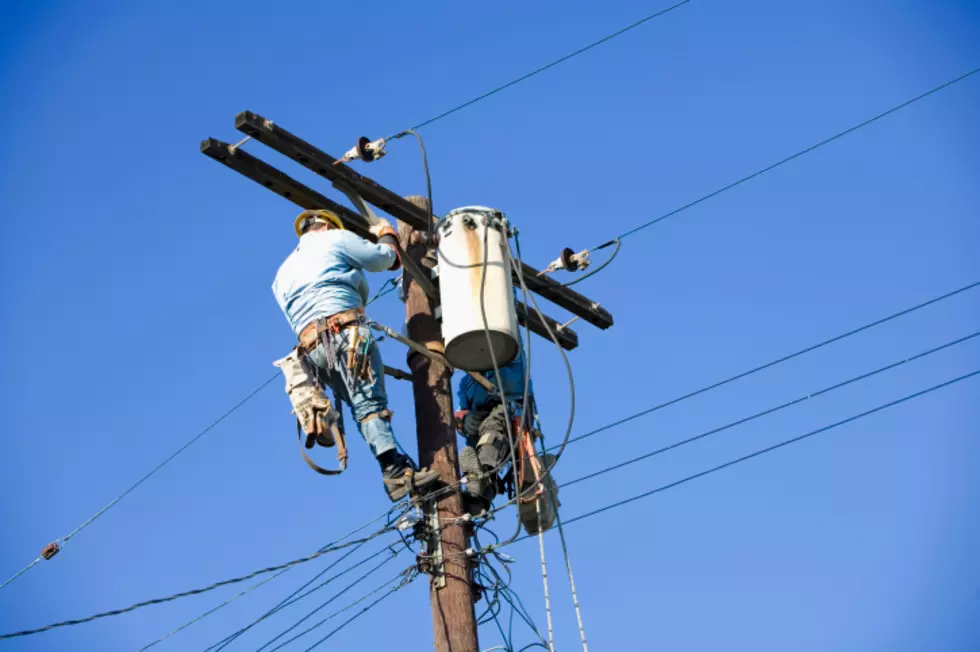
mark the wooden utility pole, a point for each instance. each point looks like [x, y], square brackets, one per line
[453, 616]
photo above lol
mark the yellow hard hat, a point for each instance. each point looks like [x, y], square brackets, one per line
[326, 215]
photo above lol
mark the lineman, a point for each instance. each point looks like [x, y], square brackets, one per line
[322, 290]
[481, 420]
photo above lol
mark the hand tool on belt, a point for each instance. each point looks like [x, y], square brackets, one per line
[314, 332]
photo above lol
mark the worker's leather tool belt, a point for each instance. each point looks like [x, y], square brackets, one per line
[313, 332]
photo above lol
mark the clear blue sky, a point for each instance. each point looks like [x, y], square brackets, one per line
[137, 308]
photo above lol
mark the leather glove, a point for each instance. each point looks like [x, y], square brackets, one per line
[470, 426]
[380, 227]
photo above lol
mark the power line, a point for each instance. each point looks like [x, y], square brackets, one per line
[406, 577]
[790, 158]
[322, 605]
[205, 589]
[775, 409]
[769, 449]
[353, 550]
[545, 67]
[61, 542]
[773, 363]
[207, 613]
[292, 599]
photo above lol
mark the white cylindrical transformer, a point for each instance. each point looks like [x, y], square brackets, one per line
[464, 234]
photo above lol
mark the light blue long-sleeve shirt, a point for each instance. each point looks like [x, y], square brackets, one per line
[323, 275]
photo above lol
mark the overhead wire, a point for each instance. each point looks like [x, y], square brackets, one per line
[554, 63]
[777, 408]
[407, 576]
[777, 361]
[291, 598]
[770, 449]
[63, 540]
[207, 613]
[792, 157]
[198, 591]
[323, 605]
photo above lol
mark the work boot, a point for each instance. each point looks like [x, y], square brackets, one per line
[401, 477]
[479, 492]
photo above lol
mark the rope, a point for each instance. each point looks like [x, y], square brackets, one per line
[146, 477]
[773, 363]
[775, 409]
[793, 156]
[545, 67]
[544, 578]
[184, 594]
[571, 578]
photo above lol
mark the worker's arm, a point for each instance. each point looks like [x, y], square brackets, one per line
[463, 394]
[464, 418]
[362, 254]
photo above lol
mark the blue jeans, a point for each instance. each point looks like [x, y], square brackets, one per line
[366, 396]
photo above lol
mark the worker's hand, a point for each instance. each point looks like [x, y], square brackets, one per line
[382, 227]
[470, 426]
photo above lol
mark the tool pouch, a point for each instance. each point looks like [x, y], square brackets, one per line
[537, 508]
[316, 416]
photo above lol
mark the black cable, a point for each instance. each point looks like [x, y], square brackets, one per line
[797, 154]
[511, 441]
[428, 179]
[324, 604]
[546, 67]
[184, 594]
[407, 575]
[768, 449]
[775, 362]
[571, 382]
[146, 477]
[601, 267]
[292, 598]
[775, 409]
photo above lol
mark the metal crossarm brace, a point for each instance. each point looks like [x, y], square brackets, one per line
[282, 184]
[286, 143]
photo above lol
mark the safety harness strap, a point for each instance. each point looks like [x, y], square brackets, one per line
[341, 442]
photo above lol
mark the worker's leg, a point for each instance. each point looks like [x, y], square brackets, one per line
[365, 395]
[369, 405]
[493, 445]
